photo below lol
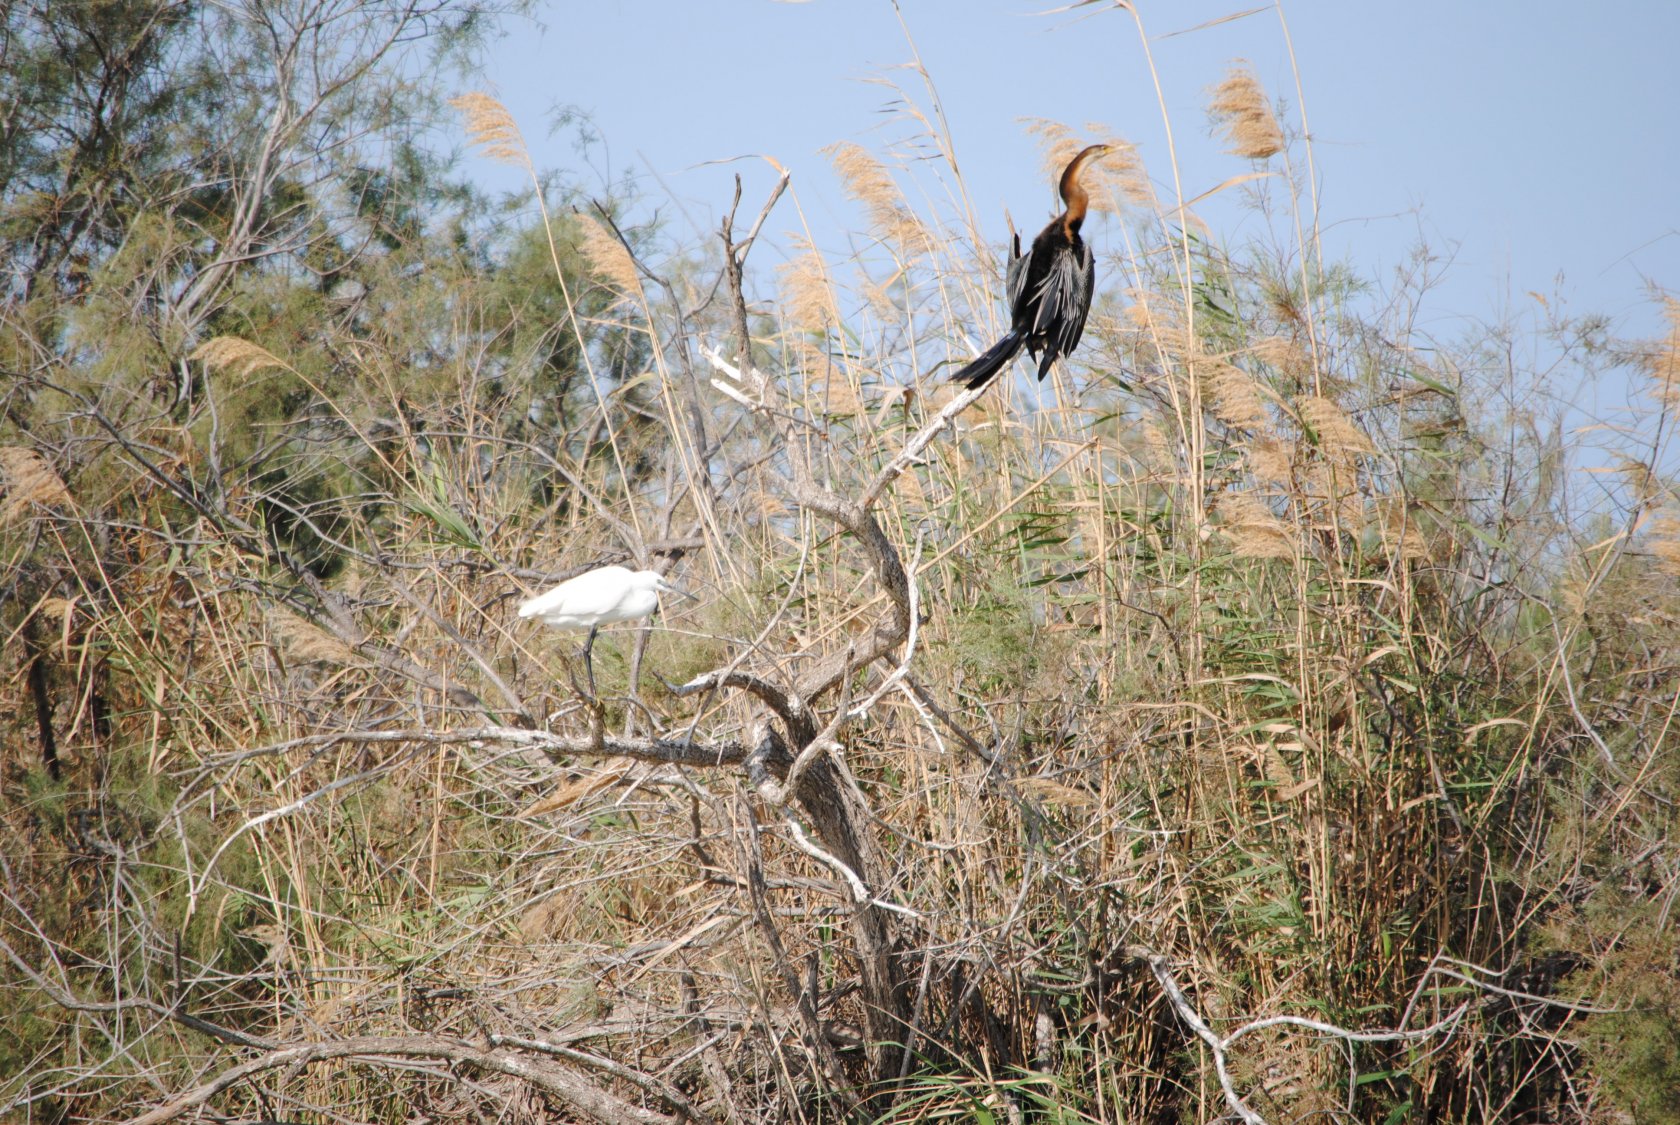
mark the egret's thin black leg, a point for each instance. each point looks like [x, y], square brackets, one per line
[588, 665]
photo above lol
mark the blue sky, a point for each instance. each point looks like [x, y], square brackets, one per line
[1530, 143]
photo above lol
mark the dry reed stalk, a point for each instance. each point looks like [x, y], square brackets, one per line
[28, 479]
[1240, 104]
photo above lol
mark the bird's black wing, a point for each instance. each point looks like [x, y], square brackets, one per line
[1081, 285]
[1063, 296]
[1015, 280]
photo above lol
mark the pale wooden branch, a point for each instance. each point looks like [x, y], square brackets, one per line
[566, 1086]
[912, 451]
[860, 892]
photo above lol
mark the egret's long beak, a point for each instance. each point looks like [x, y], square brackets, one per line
[670, 588]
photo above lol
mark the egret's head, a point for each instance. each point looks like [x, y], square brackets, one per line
[665, 587]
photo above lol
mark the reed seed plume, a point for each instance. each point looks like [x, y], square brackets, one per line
[1156, 325]
[1400, 534]
[1339, 437]
[1283, 355]
[833, 390]
[1254, 531]
[491, 128]
[868, 182]
[1663, 541]
[237, 356]
[606, 253]
[305, 641]
[1234, 395]
[1645, 485]
[1240, 104]
[28, 479]
[1271, 460]
[1114, 178]
[807, 304]
[1330, 490]
[1662, 362]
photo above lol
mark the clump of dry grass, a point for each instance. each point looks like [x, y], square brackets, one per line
[1240, 104]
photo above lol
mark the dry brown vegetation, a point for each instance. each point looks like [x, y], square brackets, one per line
[1250, 724]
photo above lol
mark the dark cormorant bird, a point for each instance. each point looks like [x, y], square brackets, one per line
[1049, 286]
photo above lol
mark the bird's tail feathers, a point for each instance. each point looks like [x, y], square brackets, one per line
[1050, 357]
[990, 361]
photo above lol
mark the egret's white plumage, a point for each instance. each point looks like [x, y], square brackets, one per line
[596, 598]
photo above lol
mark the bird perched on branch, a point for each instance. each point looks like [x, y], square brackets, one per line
[1049, 286]
[599, 597]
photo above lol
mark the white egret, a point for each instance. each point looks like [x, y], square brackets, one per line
[599, 597]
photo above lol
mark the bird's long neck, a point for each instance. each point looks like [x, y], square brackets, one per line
[1074, 195]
